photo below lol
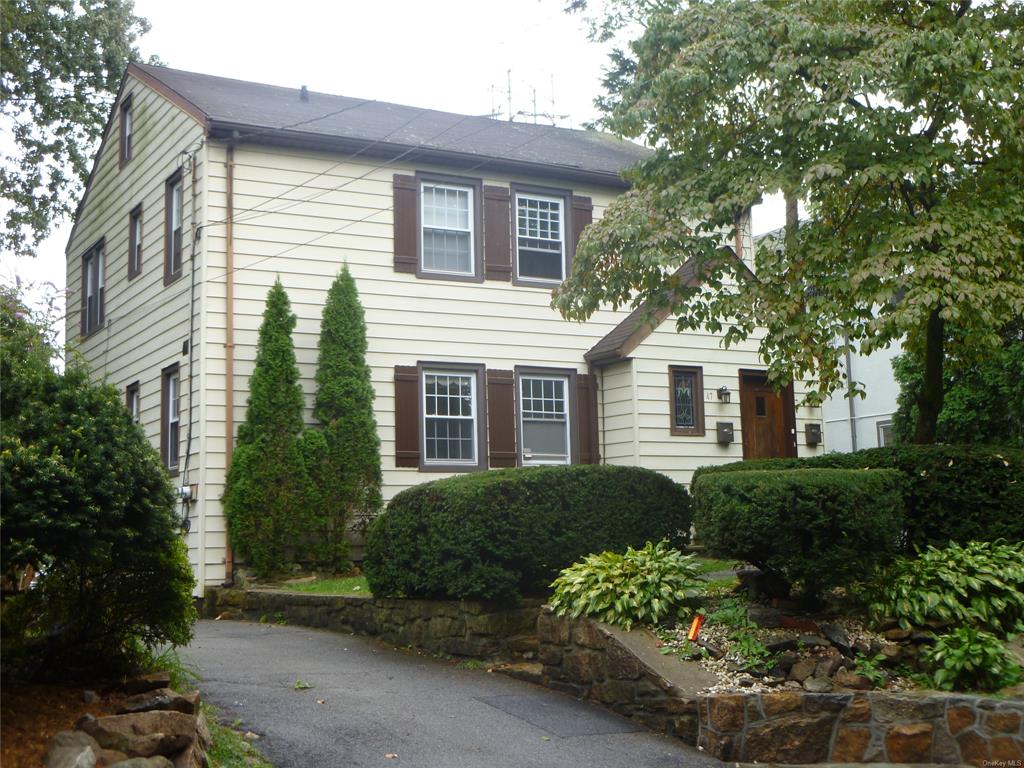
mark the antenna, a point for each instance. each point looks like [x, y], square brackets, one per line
[508, 73]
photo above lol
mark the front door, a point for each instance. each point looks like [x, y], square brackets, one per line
[767, 418]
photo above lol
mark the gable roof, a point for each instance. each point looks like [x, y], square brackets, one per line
[618, 344]
[261, 113]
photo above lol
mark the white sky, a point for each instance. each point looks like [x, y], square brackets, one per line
[451, 55]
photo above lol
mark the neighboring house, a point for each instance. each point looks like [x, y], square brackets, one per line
[456, 229]
[852, 424]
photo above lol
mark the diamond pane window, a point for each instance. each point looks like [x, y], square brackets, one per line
[447, 229]
[449, 417]
[540, 238]
[544, 414]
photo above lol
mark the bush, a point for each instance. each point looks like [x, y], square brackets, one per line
[952, 492]
[642, 586]
[504, 533]
[971, 659]
[980, 584]
[818, 528]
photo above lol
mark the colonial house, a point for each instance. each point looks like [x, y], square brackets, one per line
[456, 228]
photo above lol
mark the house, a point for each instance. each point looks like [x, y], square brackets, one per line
[855, 423]
[456, 228]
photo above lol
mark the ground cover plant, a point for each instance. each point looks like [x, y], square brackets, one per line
[342, 585]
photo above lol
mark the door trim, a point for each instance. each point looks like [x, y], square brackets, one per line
[788, 411]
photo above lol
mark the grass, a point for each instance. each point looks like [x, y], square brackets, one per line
[347, 585]
[229, 749]
[712, 564]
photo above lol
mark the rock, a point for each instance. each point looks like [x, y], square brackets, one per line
[846, 679]
[203, 736]
[142, 734]
[790, 739]
[958, 718]
[156, 761]
[765, 616]
[726, 712]
[814, 641]
[90, 697]
[828, 664]
[782, 646]
[1003, 722]
[817, 685]
[892, 653]
[850, 745]
[909, 743]
[745, 682]
[778, 703]
[163, 699]
[896, 634]
[71, 749]
[148, 682]
[803, 669]
[836, 635]
[923, 638]
[110, 756]
[193, 756]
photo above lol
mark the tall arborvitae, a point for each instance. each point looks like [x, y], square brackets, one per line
[347, 476]
[268, 494]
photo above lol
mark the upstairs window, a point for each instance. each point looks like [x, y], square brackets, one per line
[686, 395]
[540, 238]
[447, 237]
[544, 419]
[92, 289]
[174, 200]
[135, 241]
[170, 421]
[127, 129]
[133, 401]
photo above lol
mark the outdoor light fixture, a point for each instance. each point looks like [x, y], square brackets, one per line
[723, 394]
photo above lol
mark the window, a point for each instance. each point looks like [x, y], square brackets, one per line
[127, 128]
[447, 214]
[686, 395]
[133, 401]
[172, 249]
[545, 436]
[450, 417]
[135, 242]
[885, 433]
[540, 237]
[92, 288]
[170, 423]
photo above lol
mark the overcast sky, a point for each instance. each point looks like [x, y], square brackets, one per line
[452, 55]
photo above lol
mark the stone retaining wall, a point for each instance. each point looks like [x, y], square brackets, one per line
[457, 628]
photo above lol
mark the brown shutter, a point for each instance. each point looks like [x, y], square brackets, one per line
[407, 416]
[501, 418]
[586, 418]
[497, 234]
[582, 215]
[405, 189]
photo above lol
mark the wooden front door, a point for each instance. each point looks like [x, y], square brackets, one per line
[767, 418]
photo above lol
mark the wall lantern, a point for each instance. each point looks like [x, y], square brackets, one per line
[723, 394]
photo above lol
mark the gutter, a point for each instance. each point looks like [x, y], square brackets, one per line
[849, 396]
[229, 344]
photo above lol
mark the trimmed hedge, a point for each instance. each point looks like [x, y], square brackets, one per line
[505, 533]
[819, 528]
[953, 492]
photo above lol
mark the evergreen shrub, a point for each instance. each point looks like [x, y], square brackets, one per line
[506, 533]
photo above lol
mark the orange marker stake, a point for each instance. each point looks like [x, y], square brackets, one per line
[698, 622]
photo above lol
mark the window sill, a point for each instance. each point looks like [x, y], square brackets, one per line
[446, 276]
[451, 468]
[527, 282]
[691, 432]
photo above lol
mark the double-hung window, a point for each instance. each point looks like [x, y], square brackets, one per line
[135, 241]
[452, 418]
[686, 397]
[92, 288]
[127, 130]
[174, 202]
[544, 419]
[448, 238]
[170, 418]
[133, 401]
[540, 237]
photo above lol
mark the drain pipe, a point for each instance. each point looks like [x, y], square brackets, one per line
[849, 395]
[229, 344]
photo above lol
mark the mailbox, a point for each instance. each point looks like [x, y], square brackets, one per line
[812, 434]
[724, 429]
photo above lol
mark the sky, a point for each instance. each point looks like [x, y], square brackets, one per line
[454, 55]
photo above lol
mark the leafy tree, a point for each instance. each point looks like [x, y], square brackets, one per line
[984, 399]
[87, 505]
[345, 464]
[61, 64]
[268, 494]
[901, 127]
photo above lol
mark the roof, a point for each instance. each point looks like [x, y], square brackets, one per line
[262, 113]
[618, 344]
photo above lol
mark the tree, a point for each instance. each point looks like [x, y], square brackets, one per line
[984, 399]
[61, 63]
[268, 495]
[901, 127]
[345, 464]
[87, 505]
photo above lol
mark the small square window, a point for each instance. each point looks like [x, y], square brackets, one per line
[686, 397]
[885, 434]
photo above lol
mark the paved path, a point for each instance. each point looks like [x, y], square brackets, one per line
[431, 714]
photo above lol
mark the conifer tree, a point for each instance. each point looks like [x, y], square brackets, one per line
[347, 475]
[268, 496]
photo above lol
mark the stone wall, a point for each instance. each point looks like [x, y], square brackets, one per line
[457, 628]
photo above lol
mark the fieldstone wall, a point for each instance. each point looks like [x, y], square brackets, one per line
[458, 628]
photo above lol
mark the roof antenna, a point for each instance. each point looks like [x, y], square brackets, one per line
[304, 94]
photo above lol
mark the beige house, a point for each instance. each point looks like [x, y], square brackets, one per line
[456, 228]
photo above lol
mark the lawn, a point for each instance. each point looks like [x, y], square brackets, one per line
[346, 585]
[712, 565]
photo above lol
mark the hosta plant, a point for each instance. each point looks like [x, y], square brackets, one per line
[971, 659]
[643, 586]
[979, 584]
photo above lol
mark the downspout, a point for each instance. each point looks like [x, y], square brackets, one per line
[229, 343]
[849, 395]
[599, 378]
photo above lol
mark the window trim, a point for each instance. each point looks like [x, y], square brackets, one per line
[479, 402]
[129, 391]
[170, 274]
[165, 422]
[476, 186]
[879, 426]
[98, 249]
[572, 410]
[125, 136]
[135, 242]
[568, 248]
[698, 430]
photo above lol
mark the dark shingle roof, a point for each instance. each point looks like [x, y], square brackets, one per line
[267, 113]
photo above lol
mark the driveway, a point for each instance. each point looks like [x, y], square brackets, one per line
[378, 701]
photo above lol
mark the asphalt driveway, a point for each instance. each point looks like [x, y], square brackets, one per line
[386, 707]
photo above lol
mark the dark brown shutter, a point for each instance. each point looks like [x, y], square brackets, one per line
[407, 416]
[586, 418]
[405, 189]
[501, 418]
[582, 215]
[83, 322]
[497, 234]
